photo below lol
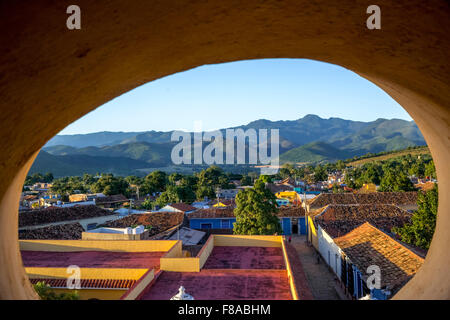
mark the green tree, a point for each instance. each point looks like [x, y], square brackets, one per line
[174, 177]
[48, 177]
[246, 181]
[430, 170]
[423, 222]
[394, 181]
[156, 181]
[174, 194]
[320, 174]
[212, 176]
[205, 191]
[340, 165]
[264, 178]
[45, 293]
[255, 210]
[108, 184]
[147, 204]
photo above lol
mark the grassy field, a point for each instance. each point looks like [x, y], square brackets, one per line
[414, 152]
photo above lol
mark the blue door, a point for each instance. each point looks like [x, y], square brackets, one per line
[286, 225]
[302, 225]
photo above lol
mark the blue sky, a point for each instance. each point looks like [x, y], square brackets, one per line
[232, 94]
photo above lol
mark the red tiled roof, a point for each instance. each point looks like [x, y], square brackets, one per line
[111, 199]
[367, 245]
[338, 220]
[396, 198]
[89, 283]
[226, 202]
[213, 213]
[159, 221]
[69, 231]
[274, 188]
[296, 211]
[183, 206]
[427, 186]
[57, 214]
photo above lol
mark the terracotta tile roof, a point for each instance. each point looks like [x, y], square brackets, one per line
[288, 181]
[159, 221]
[229, 213]
[69, 231]
[183, 206]
[338, 220]
[226, 202]
[30, 197]
[396, 198]
[427, 186]
[57, 214]
[367, 245]
[296, 211]
[111, 199]
[275, 188]
[90, 283]
[226, 212]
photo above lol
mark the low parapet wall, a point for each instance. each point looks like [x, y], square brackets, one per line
[247, 241]
[290, 275]
[136, 290]
[98, 245]
[113, 236]
[85, 273]
[174, 260]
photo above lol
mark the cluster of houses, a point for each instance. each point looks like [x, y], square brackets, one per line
[351, 232]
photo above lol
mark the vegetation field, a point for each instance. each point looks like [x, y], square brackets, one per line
[383, 157]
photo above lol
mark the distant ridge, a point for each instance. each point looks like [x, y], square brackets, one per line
[309, 139]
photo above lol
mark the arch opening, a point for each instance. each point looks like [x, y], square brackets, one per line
[411, 71]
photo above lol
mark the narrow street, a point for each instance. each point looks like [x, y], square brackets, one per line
[321, 280]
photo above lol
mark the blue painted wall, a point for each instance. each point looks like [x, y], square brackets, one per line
[215, 223]
[196, 223]
[302, 225]
[286, 226]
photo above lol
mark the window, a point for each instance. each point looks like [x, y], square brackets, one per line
[205, 226]
[91, 226]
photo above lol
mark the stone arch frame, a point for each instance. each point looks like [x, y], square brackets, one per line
[51, 76]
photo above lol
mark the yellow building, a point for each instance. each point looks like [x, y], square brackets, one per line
[106, 270]
[292, 196]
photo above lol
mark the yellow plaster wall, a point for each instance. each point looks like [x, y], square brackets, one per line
[180, 264]
[86, 273]
[97, 245]
[292, 285]
[247, 241]
[139, 286]
[206, 251]
[102, 294]
[312, 233]
[175, 252]
[110, 236]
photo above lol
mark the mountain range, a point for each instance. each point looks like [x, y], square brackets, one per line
[310, 139]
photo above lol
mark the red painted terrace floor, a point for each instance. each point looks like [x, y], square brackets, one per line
[222, 285]
[91, 259]
[245, 258]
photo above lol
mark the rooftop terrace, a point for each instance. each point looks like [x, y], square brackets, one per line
[91, 259]
[245, 258]
[223, 285]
